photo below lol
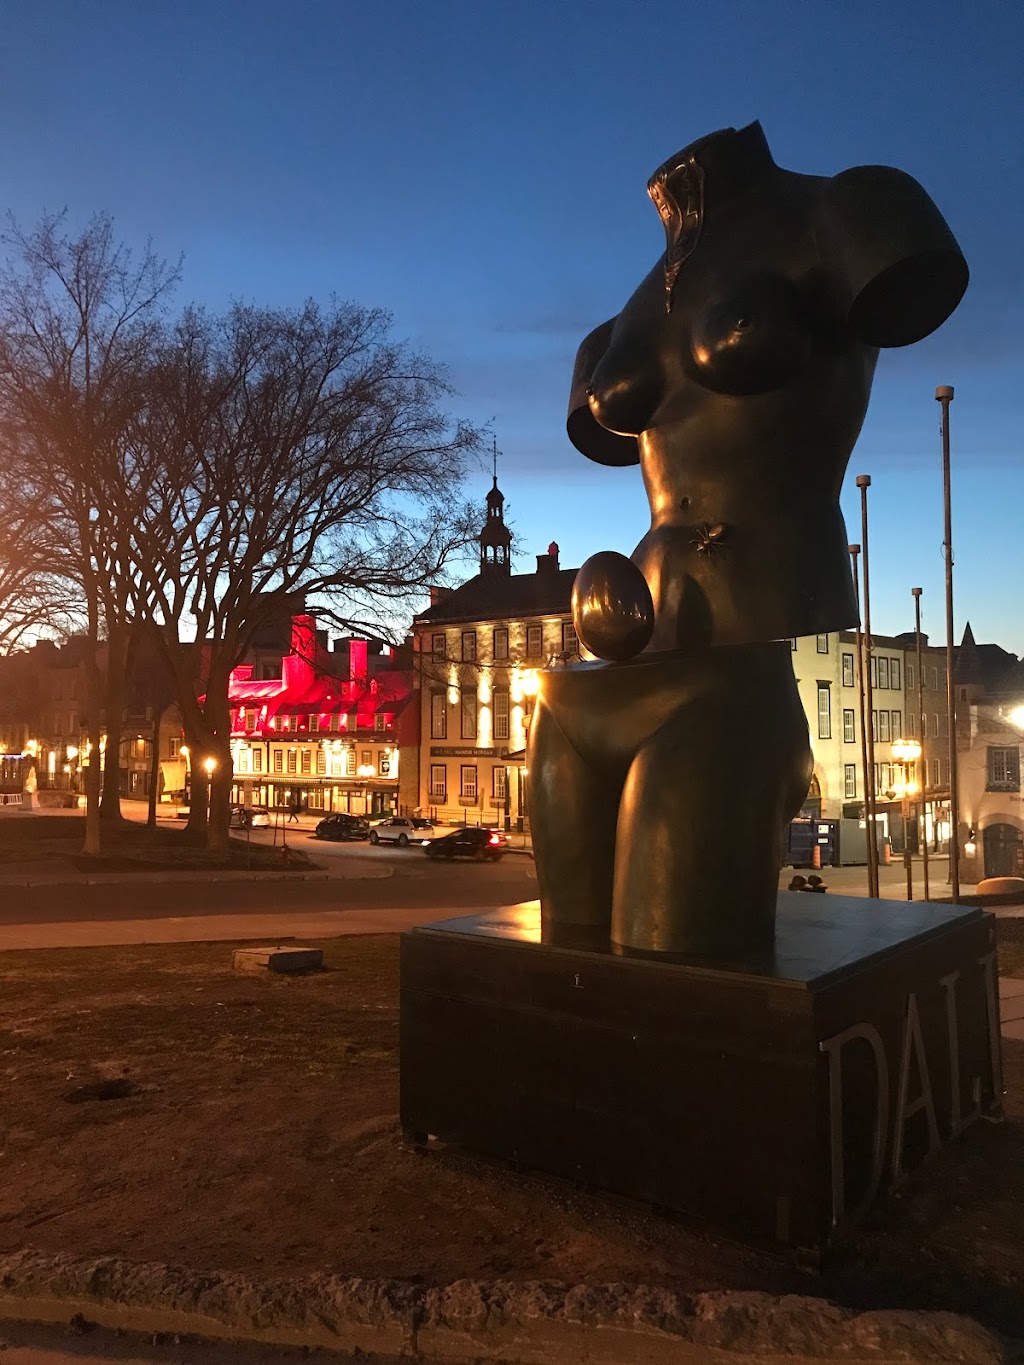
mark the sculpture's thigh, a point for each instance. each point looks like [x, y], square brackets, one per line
[703, 818]
[573, 808]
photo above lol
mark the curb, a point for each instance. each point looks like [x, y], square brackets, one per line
[175, 879]
[532, 1323]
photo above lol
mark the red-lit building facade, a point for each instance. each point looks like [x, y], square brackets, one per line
[316, 739]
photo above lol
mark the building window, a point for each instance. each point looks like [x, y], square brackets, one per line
[849, 728]
[278, 761]
[175, 746]
[307, 761]
[314, 723]
[293, 761]
[910, 677]
[257, 760]
[824, 711]
[1004, 770]
[570, 644]
[469, 709]
[883, 671]
[438, 716]
[501, 714]
[498, 784]
[894, 673]
[437, 648]
[469, 646]
[501, 643]
[321, 762]
[467, 786]
[850, 781]
[438, 782]
[822, 643]
[534, 641]
[897, 725]
[847, 670]
[883, 726]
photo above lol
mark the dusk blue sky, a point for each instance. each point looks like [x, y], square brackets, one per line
[479, 170]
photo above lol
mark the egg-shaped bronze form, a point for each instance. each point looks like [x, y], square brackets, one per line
[612, 608]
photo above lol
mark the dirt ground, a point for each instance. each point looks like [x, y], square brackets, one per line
[157, 1106]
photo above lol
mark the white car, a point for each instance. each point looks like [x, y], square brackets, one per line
[401, 830]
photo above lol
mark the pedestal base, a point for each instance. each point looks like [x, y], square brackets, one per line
[775, 1097]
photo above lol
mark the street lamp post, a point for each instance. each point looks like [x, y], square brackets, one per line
[905, 752]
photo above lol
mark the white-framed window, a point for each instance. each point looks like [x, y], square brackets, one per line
[469, 646]
[570, 644]
[824, 711]
[849, 781]
[469, 712]
[467, 781]
[849, 727]
[438, 716]
[439, 782]
[534, 642]
[437, 645]
[501, 713]
[821, 644]
[847, 669]
[1003, 769]
[498, 784]
[500, 642]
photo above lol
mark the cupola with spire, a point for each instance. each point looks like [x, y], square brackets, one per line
[496, 538]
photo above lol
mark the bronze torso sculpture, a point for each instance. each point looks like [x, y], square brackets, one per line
[737, 376]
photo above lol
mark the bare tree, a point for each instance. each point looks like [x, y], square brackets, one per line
[79, 317]
[287, 455]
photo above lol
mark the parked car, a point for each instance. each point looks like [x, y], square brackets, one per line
[401, 830]
[249, 817]
[472, 842]
[342, 826]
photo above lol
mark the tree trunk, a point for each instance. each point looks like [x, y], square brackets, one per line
[115, 688]
[93, 774]
[154, 767]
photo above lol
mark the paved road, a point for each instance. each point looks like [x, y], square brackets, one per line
[384, 890]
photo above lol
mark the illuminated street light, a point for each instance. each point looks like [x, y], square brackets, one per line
[906, 752]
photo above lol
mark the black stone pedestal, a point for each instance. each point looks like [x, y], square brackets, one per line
[775, 1097]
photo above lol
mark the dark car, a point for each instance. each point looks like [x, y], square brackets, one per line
[481, 844]
[342, 826]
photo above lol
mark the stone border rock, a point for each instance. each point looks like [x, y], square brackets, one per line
[533, 1323]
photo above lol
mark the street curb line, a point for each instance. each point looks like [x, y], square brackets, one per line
[477, 1320]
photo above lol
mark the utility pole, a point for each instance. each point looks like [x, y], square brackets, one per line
[871, 849]
[944, 396]
[916, 594]
[871, 810]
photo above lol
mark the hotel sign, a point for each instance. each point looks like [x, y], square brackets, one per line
[465, 751]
